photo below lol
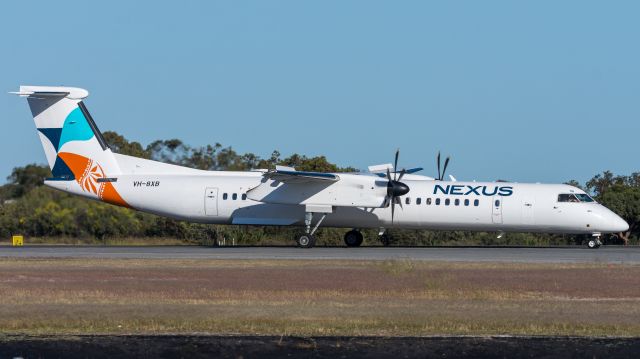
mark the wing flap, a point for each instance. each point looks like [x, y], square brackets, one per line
[290, 175]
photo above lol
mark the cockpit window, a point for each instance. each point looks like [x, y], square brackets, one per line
[583, 197]
[567, 197]
[574, 197]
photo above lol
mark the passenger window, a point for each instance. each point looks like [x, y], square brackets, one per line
[225, 196]
[466, 201]
[428, 201]
[234, 196]
[476, 202]
[457, 202]
[418, 200]
[497, 203]
[437, 201]
[244, 196]
[407, 200]
[447, 202]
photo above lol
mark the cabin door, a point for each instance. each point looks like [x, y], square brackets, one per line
[496, 212]
[211, 201]
[527, 210]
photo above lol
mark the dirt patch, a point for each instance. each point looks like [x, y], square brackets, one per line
[317, 298]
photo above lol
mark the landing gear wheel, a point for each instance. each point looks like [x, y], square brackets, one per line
[306, 241]
[385, 239]
[593, 243]
[353, 238]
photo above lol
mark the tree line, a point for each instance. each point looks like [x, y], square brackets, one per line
[31, 209]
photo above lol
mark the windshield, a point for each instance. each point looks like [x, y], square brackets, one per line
[567, 197]
[583, 197]
[574, 197]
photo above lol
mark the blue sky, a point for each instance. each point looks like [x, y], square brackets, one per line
[542, 91]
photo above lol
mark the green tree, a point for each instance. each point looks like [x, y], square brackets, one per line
[621, 194]
[574, 183]
[121, 145]
[171, 151]
[24, 179]
[315, 164]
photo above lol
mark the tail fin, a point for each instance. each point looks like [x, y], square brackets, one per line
[74, 146]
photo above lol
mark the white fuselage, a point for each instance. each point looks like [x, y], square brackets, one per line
[220, 197]
[82, 163]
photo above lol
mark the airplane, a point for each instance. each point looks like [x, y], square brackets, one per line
[82, 163]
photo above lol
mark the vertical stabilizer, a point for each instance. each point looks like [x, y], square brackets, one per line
[75, 148]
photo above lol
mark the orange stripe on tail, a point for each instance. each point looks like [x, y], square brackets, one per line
[87, 172]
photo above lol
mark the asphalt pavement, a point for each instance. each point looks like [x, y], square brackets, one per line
[605, 254]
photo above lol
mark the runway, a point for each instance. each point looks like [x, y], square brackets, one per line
[612, 254]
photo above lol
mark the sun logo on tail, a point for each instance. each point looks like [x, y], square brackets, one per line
[88, 173]
[90, 177]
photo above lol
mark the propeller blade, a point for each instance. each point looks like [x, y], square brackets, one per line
[395, 164]
[402, 174]
[393, 210]
[388, 175]
[446, 163]
[414, 170]
[398, 201]
[438, 163]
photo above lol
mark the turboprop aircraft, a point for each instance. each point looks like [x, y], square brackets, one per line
[83, 164]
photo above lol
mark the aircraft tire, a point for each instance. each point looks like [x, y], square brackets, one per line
[353, 238]
[385, 239]
[593, 243]
[306, 241]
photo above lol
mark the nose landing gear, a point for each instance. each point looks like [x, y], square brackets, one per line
[594, 242]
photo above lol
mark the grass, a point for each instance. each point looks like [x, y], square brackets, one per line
[296, 297]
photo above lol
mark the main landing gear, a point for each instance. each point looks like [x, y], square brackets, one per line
[353, 238]
[384, 237]
[306, 239]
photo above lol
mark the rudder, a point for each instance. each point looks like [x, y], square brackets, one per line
[74, 147]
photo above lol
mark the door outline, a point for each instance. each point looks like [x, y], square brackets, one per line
[528, 214]
[496, 210]
[211, 201]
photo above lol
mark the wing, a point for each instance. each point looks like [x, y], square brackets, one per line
[290, 175]
[288, 186]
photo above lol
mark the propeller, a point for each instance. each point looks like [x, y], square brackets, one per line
[395, 188]
[444, 169]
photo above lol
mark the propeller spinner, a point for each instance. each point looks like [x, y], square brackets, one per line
[395, 188]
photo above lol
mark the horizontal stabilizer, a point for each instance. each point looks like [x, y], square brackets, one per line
[72, 93]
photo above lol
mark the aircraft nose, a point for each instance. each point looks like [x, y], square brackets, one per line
[618, 224]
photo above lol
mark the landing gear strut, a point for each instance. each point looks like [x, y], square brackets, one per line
[353, 238]
[306, 239]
